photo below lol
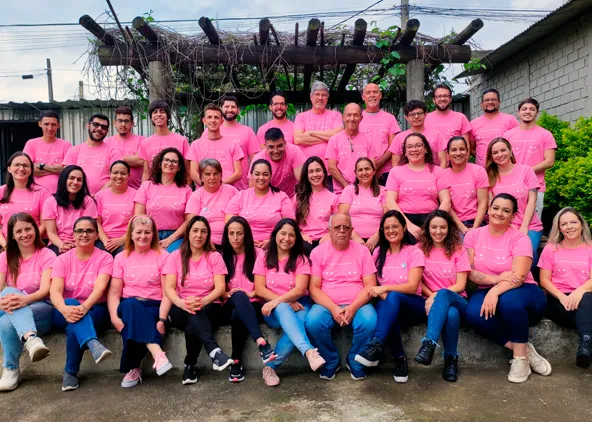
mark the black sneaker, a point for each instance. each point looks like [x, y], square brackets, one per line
[426, 352]
[450, 371]
[401, 371]
[371, 355]
[190, 375]
[70, 382]
[266, 352]
[237, 373]
[221, 361]
[584, 354]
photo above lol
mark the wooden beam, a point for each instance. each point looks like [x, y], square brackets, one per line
[322, 44]
[208, 28]
[277, 42]
[410, 32]
[145, 29]
[293, 97]
[296, 26]
[360, 28]
[385, 67]
[459, 39]
[337, 67]
[264, 27]
[312, 32]
[94, 28]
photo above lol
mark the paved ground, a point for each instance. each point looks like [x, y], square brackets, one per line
[482, 394]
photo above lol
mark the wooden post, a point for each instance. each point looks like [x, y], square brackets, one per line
[311, 40]
[359, 34]
[158, 76]
[415, 72]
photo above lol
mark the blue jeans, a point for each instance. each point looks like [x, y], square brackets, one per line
[535, 240]
[444, 319]
[79, 333]
[516, 310]
[294, 335]
[320, 324]
[396, 309]
[35, 317]
[163, 234]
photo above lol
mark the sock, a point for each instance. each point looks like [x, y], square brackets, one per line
[213, 352]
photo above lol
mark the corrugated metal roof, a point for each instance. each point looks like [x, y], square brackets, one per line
[540, 29]
[70, 104]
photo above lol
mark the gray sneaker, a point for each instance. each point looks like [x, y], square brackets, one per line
[70, 382]
[98, 351]
[36, 348]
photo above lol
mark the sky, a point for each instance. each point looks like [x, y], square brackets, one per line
[24, 50]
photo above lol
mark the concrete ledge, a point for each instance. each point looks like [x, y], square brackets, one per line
[553, 342]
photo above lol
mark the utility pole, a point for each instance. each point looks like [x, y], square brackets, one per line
[80, 90]
[49, 81]
[404, 14]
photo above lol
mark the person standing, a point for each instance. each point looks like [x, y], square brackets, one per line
[278, 104]
[448, 122]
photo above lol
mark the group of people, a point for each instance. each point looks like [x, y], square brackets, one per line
[331, 221]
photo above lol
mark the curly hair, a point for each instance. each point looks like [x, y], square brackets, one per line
[453, 240]
[156, 170]
[429, 155]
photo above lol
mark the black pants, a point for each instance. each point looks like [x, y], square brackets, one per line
[244, 318]
[581, 319]
[383, 178]
[308, 247]
[199, 329]
[418, 220]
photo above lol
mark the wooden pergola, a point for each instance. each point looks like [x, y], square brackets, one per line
[142, 50]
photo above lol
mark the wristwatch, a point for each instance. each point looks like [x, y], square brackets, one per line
[41, 166]
[165, 320]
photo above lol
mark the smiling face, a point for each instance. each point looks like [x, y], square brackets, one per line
[142, 235]
[24, 234]
[570, 226]
[490, 103]
[393, 231]
[74, 182]
[364, 172]
[442, 99]
[49, 126]
[170, 163]
[501, 212]
[85, 234]
[315, 174]
[261, 176]
[285, 238]
[458, 153]
[352, 116]
[20, 168]
[528, 113]
[229, 110]
[501, 153]
[415, 149]
[236, 236]
[276, 149]
[416, 117]
[159, 117]
[119, 175]
[319, 99]
[372, 96]
[278, 107]
[438, 230]
[212, 120]
[98, 129]
[211, 179]
[198, 235]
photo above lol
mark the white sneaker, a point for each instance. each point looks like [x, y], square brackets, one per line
[36, 348]
[10, 379]
[520, 370]
[537, 363]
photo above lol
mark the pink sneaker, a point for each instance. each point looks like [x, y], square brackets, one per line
[162, 364]
[270, 377]
[315, 360]
[132, 378]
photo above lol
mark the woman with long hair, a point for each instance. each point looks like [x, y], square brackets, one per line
[115, 207]
[314, 203]
[25, 273]
[242, 308]
[399, 302]
[508, 299]
[365, 202]
[20, 194]
[262, 206]
[195, 283]
[565, 274]
[78, 291]
[444, 279]
[71, 201]
[164, 197]
[281, 280]
[135, 300]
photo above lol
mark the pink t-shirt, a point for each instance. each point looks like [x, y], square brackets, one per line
[164, 203]
[211, 206]
[450, 124]
[365, 209]
[494, 254]
[262, 213]
[346, 150]
[30, 270]
[396, 267]
[282, 172]
[199, 281]
[22, 200]
[463, 188]
[280, 282]
[94, 161]
[418, 190]
[308, 120]
[239, 280]
[80, 276]
[141, 273]
[440, 271]
[115, 211]
[435, 139]
[341, 272]
[224, 150]
[287, 129]
[151, 146]
[322, 205]
[529, 147]
[128, 147]
[485, 130]
[50, 154]
[570, 268]
[244, 137]
[518, 183]
[378, 127]
[66, 217]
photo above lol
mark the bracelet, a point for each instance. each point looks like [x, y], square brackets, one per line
[85, 308]
[165, 320]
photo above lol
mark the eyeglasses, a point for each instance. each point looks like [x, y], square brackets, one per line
[351, 145]
[390, 228]
[438, 97]
[491, 100]
[88, 232]
[418, 114]
[342, 228]
[415, 146]
[97, 125]
[169, 161]
[24, 166]
[123, 121]
[278, 104]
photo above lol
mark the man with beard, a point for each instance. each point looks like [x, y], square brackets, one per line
[286, 161]
[380, 127]
[278, 104]
[94, 156]
[127, 144]
[47, 152]
[532, 145]
[492, 124]
[449, 123]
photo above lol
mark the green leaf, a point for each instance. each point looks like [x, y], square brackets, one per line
[383, 85]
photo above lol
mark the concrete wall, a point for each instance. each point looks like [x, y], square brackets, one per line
[556, 71]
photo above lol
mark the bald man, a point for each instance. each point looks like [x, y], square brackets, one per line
[346, 147]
